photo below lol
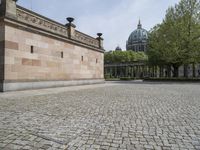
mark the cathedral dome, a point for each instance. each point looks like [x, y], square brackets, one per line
[137, 40]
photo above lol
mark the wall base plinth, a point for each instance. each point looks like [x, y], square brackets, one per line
[16, 86]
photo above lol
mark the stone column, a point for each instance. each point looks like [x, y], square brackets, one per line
[137, 71]
[131, 71]
[110, 72]
[156, 71]
[160, 71]
[116, 71]
[149, 71]
[146, 70]
[71, 27]
[143, 71]
[8, 8]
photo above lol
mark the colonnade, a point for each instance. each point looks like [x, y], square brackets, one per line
[130, 70]
[142, 70]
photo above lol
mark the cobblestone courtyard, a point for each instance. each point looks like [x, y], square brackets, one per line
[111, 116]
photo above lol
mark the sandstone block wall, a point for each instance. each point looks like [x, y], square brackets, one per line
[37, 52]
[34, 57]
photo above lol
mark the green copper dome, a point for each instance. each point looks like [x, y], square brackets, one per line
[138, 39]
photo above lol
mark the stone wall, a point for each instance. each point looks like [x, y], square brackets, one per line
[50, 59]
[37, 52]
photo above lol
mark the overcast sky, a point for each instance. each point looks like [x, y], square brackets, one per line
[116, 19]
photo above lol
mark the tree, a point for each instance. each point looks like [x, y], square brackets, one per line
[175, 41]
[124, 57]
[189, 14]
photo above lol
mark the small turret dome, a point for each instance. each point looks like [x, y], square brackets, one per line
[118, 48]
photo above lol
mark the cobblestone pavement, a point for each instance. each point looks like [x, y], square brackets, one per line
[120, 116]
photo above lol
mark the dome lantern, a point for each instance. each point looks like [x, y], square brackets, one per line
[139, 25]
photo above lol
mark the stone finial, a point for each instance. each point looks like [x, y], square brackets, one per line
[100, 39]
[99, 34]
[71, 27]
[70, 20]
[8, 8]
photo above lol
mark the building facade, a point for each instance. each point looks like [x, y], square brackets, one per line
[37, 52]
[138, 39]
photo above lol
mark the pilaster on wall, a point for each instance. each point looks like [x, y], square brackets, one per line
[8, 8]
[2, 54]
[100, 39]
[71, 28]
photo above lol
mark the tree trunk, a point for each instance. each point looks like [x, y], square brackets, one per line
[160, 70]
[149, 71]
[193, 70]
[176, 71]
[126, 75]
[153, 71]
[156, 71]
[169, 71]
[166, 71]
[116, 72]
[186, 71]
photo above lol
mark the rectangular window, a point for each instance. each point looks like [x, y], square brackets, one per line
[96, 61]
[81, 58]
[62, 55]
[32, 49]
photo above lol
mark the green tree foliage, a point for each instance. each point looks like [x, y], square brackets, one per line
[124, 56]
[176, 41]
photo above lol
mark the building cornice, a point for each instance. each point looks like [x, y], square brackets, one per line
[33, 29]
[33, 22]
